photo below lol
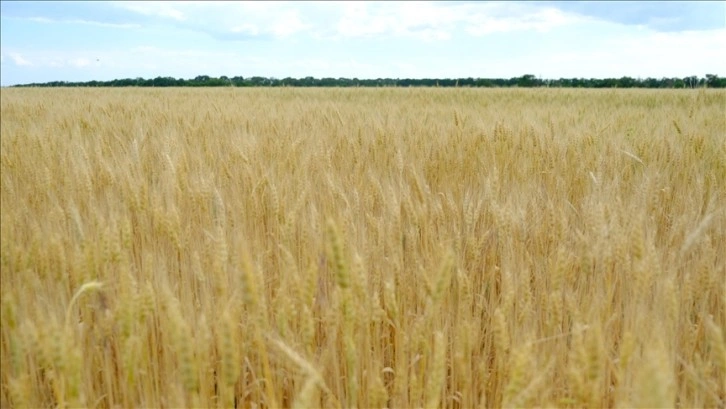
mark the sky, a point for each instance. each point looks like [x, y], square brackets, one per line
[84, 41]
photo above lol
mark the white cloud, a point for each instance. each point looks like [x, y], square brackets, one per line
[634, 53]
[356, 22]
[279, 19]
[682, 53]
[439, 21]
[79, 62]
[255, 19]
[164, 9]
[288, 23]
[245, 28]
[518, 18]
[426, 21]
[38, 19]
[420, 20]
[19, 60]
[46, 20]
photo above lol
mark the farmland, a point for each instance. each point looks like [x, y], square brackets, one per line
[392, 247]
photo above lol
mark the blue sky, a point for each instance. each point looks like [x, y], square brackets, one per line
[83, 41]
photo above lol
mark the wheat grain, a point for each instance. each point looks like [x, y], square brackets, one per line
[538, 250]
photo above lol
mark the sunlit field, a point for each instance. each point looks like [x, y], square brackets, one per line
[370, 248]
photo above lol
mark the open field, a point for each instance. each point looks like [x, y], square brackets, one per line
[363, 248]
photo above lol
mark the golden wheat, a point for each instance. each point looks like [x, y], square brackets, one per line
[362, 248]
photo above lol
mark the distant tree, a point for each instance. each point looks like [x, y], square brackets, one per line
[691, 82]
[713, 81]
[527, 80]
[666, 83]
[627, 82]
[164, 82]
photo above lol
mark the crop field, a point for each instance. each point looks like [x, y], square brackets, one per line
[393, 247]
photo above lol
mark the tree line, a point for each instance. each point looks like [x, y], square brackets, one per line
[525, 81]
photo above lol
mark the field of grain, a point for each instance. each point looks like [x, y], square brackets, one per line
[367, 248]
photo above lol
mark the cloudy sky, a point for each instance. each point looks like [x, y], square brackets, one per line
[83, 41]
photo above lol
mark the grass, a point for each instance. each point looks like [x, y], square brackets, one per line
[450, 248]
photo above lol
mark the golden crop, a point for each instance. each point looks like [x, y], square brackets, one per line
[453, 248]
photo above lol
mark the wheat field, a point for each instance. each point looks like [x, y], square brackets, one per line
[370, 248]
